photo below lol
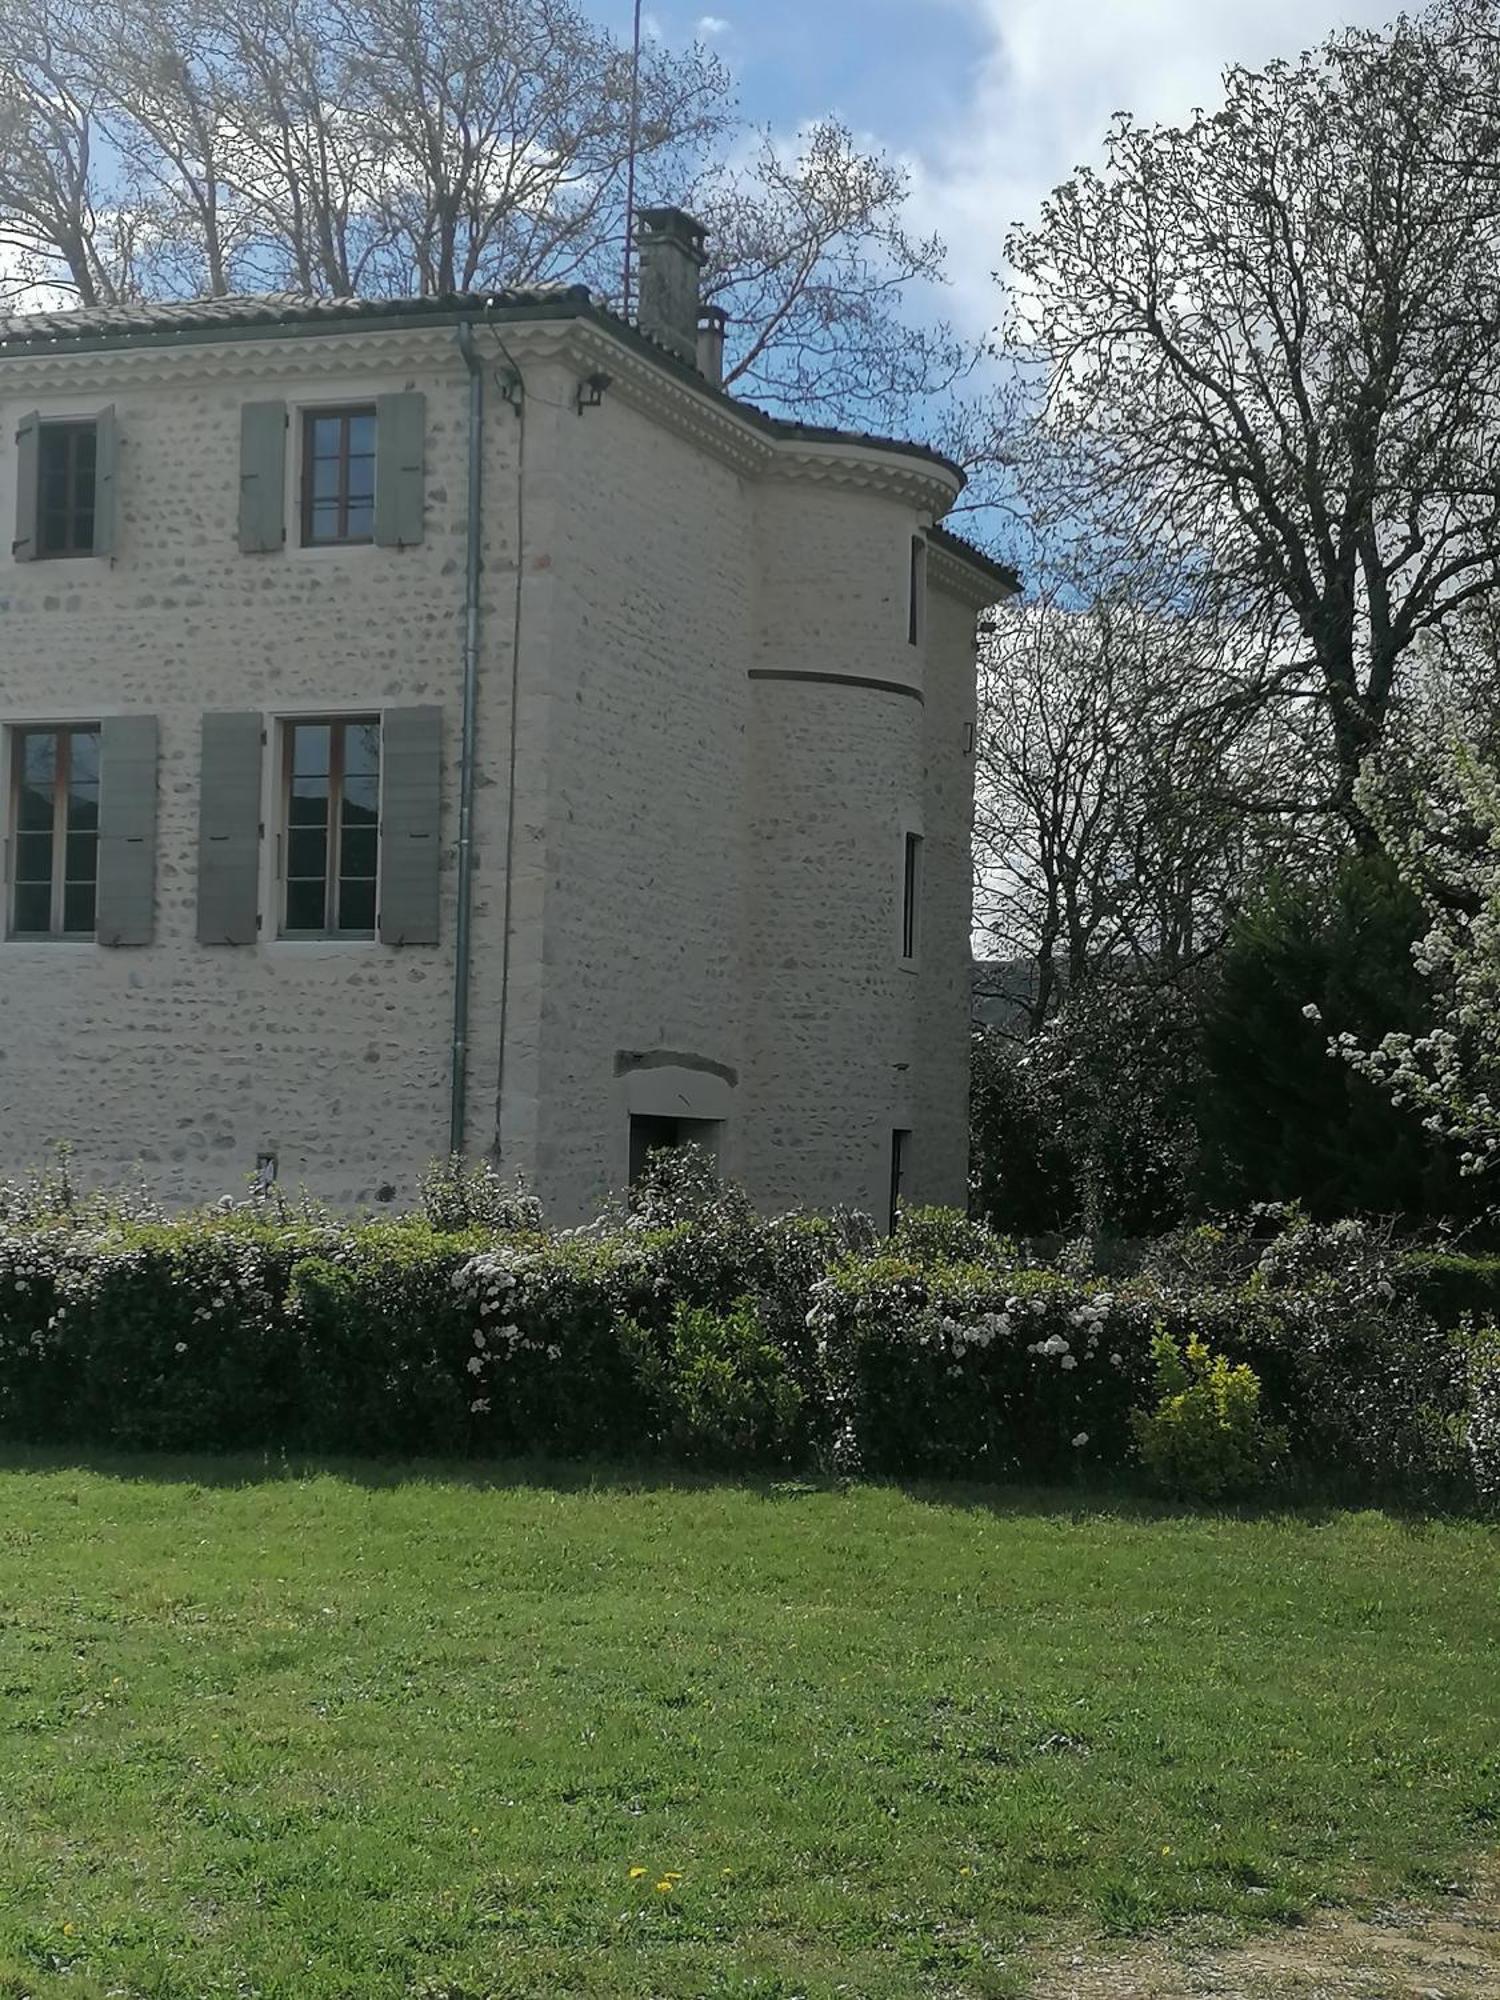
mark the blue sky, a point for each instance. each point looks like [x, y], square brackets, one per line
[990, 102]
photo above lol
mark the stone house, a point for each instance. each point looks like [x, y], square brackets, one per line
[458, 722]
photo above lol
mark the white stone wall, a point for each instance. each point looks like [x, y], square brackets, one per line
[703, 865]
[184, 1059]
[941, 1137]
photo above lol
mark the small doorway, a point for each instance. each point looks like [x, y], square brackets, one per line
[650, 1135]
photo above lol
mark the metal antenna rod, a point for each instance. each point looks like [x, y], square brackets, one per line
[635, 140]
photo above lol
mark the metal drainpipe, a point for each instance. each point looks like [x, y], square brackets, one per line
[463, 927]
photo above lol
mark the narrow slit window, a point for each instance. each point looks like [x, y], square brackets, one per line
[911, 895]
[338, 477]
[330, 835]
[67, 468]
[54, 825]
[900, 1165]
[916, 616]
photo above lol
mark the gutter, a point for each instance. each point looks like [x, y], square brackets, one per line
[463, 936]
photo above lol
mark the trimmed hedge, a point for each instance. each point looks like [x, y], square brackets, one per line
[687, 1328]
[1452, 1288]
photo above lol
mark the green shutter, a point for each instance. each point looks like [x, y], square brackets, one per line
[411, 759]
[400, 469]
[106, 465]
[23, 548]
[127, 830]
[229, 829]
[262, 478]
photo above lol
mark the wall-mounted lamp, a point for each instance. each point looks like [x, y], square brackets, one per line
[591, 392]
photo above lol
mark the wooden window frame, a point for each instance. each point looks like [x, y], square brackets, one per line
[73, 428]
[333, 828]
[345, 413]
[56, 931]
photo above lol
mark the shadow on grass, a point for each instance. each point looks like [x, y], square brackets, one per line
[1079, 1500]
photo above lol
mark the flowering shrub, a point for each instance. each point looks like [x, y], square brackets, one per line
[1205, 1437]
[683, 1324]
[975, 1369]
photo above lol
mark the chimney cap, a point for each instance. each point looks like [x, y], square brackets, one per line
[672, 225]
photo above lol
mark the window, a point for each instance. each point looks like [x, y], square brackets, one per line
[338, 477]
[54, 831]
[916, 615]
[900, 1154]
[67, 469]
[330, 837]
[911, 895]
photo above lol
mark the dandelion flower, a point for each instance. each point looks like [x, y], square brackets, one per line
[636, 1874]
[664, 1887]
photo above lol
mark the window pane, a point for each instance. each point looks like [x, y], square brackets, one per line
[324, 525]
[362, 433]
[34, 807]
[54, 466]
[325, 478]
[361, 801]
[83, 808]
[361, 521]
[78, 907]
[33, 914]
[39, 756]
[362, 479]
[357, 852]
[310, 749]
[356, 906]
[304, 906]
[308, 805]
[82, 857]
[33, 857]
[307, 854]
[362, 748]
[83, 762]
[324, 434]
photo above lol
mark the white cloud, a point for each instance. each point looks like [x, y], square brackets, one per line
[1055, 72]
[712, 24]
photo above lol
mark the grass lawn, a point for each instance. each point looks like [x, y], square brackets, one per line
[366, 1733]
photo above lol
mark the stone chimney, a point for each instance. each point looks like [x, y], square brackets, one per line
[670, 243]
[712, 320]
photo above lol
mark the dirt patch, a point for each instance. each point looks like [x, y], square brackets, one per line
[1397, 1953]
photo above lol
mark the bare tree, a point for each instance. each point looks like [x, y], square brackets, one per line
[1118, 822]
[1268, 341]
[814, 266]
[56, 224]
[391, 147]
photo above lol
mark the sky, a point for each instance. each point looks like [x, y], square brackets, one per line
[989, 102]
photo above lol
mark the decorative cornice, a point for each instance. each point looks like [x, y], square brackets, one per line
[709, 421]
[919, 481]
[61, 370]
[973, 579]
[753, 444]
